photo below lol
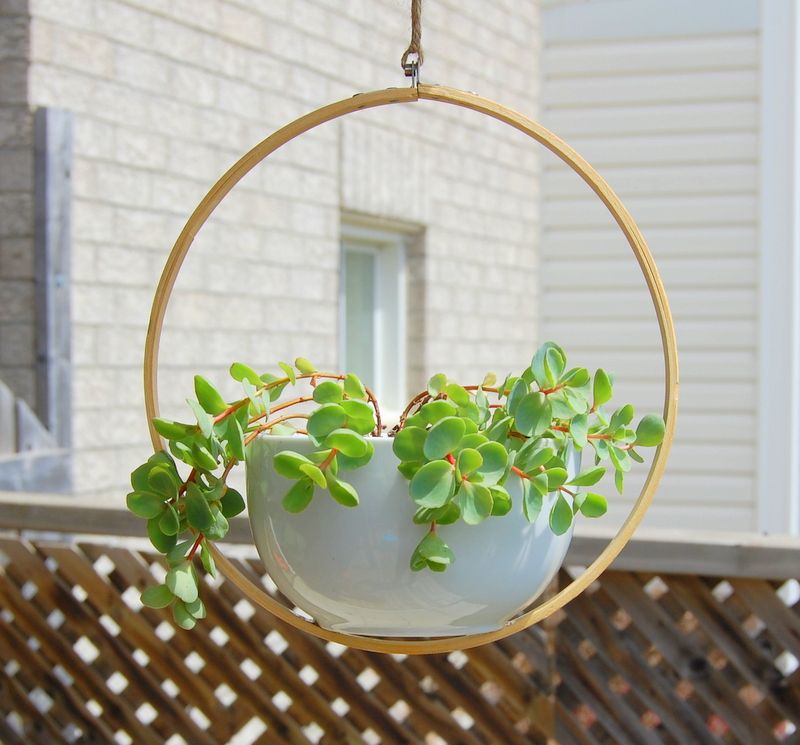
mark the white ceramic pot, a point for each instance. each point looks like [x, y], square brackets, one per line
[349, 567]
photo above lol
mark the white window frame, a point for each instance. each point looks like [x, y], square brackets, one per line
[779, 271]
[389, 318]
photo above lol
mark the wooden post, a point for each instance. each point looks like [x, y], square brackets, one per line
[53, 202]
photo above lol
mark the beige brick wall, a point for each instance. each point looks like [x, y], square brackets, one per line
[167, 95]
[17, 308]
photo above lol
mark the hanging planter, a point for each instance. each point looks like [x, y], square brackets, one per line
[336, 563]
[449, 526]
[350, 569]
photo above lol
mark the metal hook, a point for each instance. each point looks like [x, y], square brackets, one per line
[411, 70]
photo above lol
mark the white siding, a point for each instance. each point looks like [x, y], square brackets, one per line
[672, 124]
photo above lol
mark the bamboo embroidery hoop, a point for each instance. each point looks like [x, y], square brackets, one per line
[640, 250]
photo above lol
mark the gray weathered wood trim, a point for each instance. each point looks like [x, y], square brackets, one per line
[53, 205]
[666, 551]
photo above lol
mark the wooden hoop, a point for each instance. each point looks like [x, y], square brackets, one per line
[646, 263]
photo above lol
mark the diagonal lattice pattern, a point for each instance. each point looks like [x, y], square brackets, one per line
[640, 659]
[82, 661]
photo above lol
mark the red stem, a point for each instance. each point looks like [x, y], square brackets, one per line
[328, 460]
[194, 548]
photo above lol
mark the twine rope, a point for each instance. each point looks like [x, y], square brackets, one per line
[415, 46]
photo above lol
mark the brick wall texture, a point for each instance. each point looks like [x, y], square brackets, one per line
[167, 94]
[17, 308]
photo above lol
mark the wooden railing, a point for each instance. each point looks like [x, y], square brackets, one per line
[657, 652]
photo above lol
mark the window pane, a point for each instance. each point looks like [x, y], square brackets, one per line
[359, 304]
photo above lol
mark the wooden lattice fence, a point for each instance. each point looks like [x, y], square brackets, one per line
[643, 658]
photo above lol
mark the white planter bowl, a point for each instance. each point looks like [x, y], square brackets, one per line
[349, 567]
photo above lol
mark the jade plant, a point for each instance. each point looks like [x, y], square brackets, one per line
[460, 447]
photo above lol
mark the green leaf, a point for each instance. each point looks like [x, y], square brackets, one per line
[529, 458]
[560, 516]
[437, 384]
[408, 443]
[534, 414]
[162, 542]
[433, 411]
[203, 418]
[638, 458]
[182, 617]
[347, 442]
[145, 504]
[240, 372]
[433, 549]
[589, 477]
[207, 560]
[600, 448]
[518, 391]
[257, 405]
[471, 440]
[601, 389]
[198, 512]
[418, 561]
[621, 418]
[593, 505]
[540, 483]
[501, 501]
[287, 463]
[196, 609]
[554, 364]
[169, 523]
[544, 369]
[576, 377]
[579, 429]
[304, 366]
[220, 527]
[360, 416]
[532, 501]
[489, 380]
[202, 457]
[354, 388]
[443, 437]
[347, 463]
[232, 503]
[275, 387]
[576, 400]
[619, 481]
[469, 460]
[433, 484]
[208, 396]
[471, 414]
[157, 596]
[325, 419]
[555, 477]
[328, 392]
[162, 480]
[289, 370]
[172, 430]
[181, 582]
[235, 437]
[409, 468]
[475, 501]
[299, 496]
[495, 461]
[314, 473]
[650, 431]
[620, 459]
[344, 493]
[139, 477]
[177, 554]
[457, 394]
[446, 515]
